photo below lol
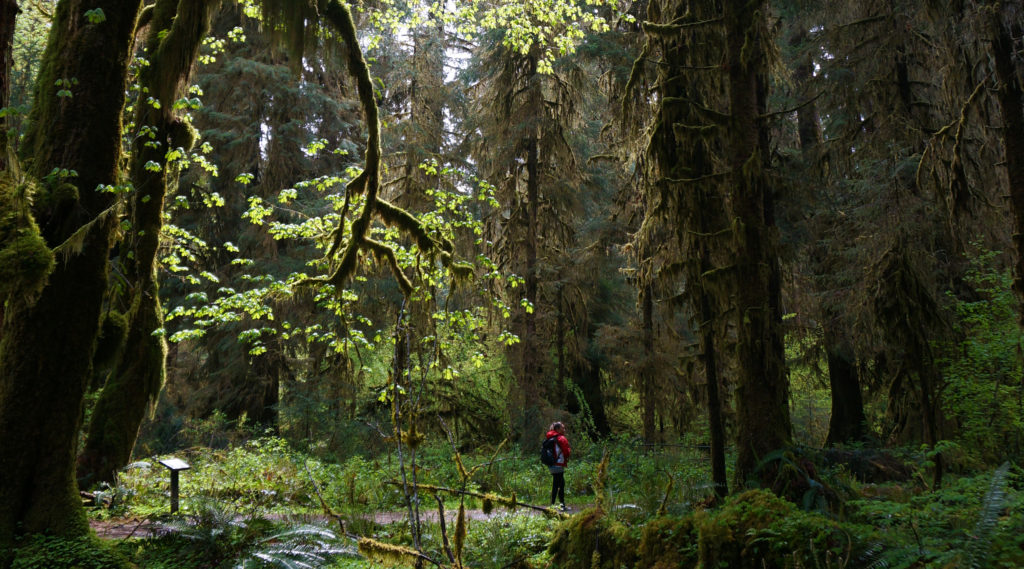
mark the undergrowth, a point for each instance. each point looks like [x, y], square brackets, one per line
[654, 511]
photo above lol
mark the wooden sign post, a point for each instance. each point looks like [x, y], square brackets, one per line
[175, 465]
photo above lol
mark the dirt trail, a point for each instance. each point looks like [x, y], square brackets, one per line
[126, 528]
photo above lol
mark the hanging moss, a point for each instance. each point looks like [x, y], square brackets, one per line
[460, 532]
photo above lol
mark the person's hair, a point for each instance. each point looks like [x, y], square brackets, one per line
[556, 426]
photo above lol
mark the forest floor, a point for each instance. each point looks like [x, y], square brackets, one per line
[127, 528]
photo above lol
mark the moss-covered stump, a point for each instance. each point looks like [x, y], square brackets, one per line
[591, 540]
[668, 543]
[753, 530]
[758, 530]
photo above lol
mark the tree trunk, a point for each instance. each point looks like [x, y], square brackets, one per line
[1011, 102]
[529, 373]
[560, 344]
[716, 424]
[8, 15]
[176, 32]
[47, 348]
[762, 391]
[424, 136]
[588, 380]
[648, 396]
[847, 423]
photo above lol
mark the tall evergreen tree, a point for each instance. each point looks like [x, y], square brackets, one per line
[523, 151]
[710, 160]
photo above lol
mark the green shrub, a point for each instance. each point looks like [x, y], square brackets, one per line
[506, 539]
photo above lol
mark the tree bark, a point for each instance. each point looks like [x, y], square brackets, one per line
[1011, 103]
[8, 16]
[46, 351]
[716, 423]
[531, 358]
[762, 391]
[847, 423]
[588, 379]
[176, 31]
[648, 394]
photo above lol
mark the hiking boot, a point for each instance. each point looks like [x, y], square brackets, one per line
[563, 508]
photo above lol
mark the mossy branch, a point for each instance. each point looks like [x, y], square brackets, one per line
[663, 508]
[696, 180]
[508, 502]
[444, 530]
[402, 219]
[388, 553]
[367, 183]
[385, 253]
[716, 117]
[676, 26]
[634, 78]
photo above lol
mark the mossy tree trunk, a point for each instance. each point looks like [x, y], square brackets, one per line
[530, 372]
[8, 15]
[1011, 103]
[762, 391]
[47, 346]
[686, 193]
[176, 30]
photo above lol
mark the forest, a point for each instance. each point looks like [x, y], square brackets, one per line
[307, 283]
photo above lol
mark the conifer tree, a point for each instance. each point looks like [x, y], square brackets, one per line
[710, 160]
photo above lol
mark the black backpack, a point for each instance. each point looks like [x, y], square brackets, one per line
[547, 451]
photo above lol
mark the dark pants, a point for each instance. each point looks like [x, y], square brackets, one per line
[558, 487]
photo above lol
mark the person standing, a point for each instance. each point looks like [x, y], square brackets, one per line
[562, 452]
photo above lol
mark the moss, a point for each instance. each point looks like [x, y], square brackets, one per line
[113, 332]
[758, 530]
[25, 260]
[50, 552]
[725, 536]
[460, 532]
[387, 553]
[668, 543]
[183, 134]
[591, 540]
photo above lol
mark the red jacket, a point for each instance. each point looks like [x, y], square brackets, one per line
[562, 450]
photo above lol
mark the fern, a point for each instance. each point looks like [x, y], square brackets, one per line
[304, 547]
[979, 548]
